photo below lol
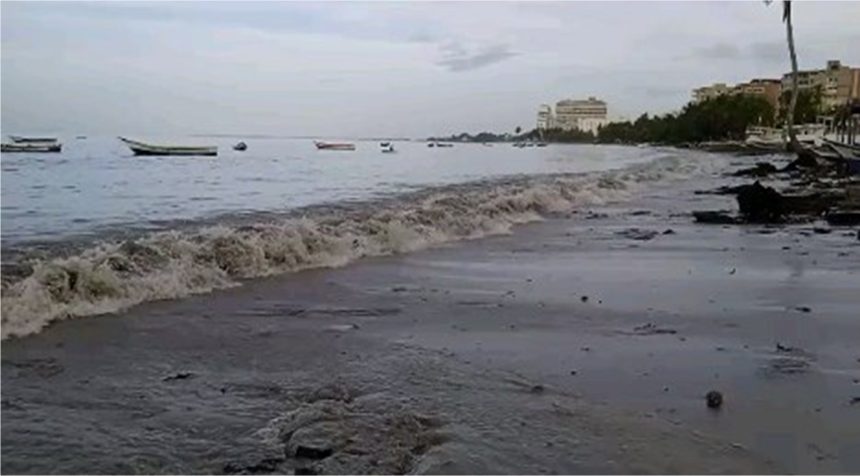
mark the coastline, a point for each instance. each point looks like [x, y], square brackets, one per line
[527, 352]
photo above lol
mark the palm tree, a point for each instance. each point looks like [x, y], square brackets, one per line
[789, 117]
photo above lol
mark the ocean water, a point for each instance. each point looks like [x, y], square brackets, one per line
[94, 230]
[96, 184]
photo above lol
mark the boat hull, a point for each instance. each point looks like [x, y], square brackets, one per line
[31, 147]
[334, 146]
[33, 140]
[140, 148]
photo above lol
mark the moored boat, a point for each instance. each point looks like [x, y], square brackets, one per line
[32, 140]
[334, 145]
[241, 146]
[386, 147]
[32, 147]
[141, 148]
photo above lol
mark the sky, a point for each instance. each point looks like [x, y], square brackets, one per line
[383, 68]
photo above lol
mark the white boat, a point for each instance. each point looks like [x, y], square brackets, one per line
[32, 140]
[141, 148]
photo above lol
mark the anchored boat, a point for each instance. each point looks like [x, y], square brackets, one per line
[334, 145]
[32, 147]
[141, 148]
[32, 140]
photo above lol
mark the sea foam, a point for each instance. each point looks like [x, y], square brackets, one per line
[112, 276]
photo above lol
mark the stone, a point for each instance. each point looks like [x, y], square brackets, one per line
[714, 399]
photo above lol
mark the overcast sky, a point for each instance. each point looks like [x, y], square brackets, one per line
[365, 69]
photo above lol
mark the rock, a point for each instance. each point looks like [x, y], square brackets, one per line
[714, 217]
[805, 160]
[854, 401]
[573, 372]
[584, 299]
[761, 169]
[178, 376]
[803, 309]
[714, 399]
[305, 470]
[313, 452]
[537, 388]
[844, 218]
[761, 204]
[821, 231]
[669, 231]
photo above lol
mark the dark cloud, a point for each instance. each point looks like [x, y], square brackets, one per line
[719, 51]
[457, 58]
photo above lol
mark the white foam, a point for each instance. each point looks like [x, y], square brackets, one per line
[168, 265]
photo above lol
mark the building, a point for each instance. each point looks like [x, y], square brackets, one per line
[710, 92]
[545, 118]
[769, 89]
[586, 115]
[839, 84]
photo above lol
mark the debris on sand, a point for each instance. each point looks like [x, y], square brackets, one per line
[761, 169]
[715, 217]
[803, 309]
[669, 231]
[714, 399]
[638, 234]
[178, 376]
[537, 388]
[652, 329]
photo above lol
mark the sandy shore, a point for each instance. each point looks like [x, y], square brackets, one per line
[573, 345]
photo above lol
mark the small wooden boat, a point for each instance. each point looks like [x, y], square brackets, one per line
[32, 147]
[141, 148]
[32, 140]
[240, 146]
[334, 145]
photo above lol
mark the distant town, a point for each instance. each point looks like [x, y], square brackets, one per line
[822, 93]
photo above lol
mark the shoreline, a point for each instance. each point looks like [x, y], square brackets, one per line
[574, 344]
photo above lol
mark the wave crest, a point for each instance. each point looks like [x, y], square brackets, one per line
[167, 265]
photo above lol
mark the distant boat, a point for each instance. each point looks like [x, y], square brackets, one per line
[32, 147]
[386, 147]
[431, 144]
[334, 145]
[541, 144]
[443, 144]
[240, 146]
[32, 140]
[140, 148]
[81, 137]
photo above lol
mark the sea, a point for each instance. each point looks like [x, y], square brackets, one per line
[94, 229]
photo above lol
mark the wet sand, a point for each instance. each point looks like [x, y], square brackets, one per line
[574, 345]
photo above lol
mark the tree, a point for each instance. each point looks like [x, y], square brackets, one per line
[793, 144]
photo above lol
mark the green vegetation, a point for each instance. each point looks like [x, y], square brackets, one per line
[721, 118]
[807, 107]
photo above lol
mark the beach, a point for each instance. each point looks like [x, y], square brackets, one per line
[580, 342]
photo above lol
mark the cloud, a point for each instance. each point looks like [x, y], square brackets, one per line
[770, 52]
[718, 51]
[457, 58]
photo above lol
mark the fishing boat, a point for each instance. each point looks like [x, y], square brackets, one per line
[32, 140]
[241, 146]
[386, 147]
[334, 145]
[32, 147]
[141, 148]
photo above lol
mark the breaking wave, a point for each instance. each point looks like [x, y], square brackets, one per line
[111, 276]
